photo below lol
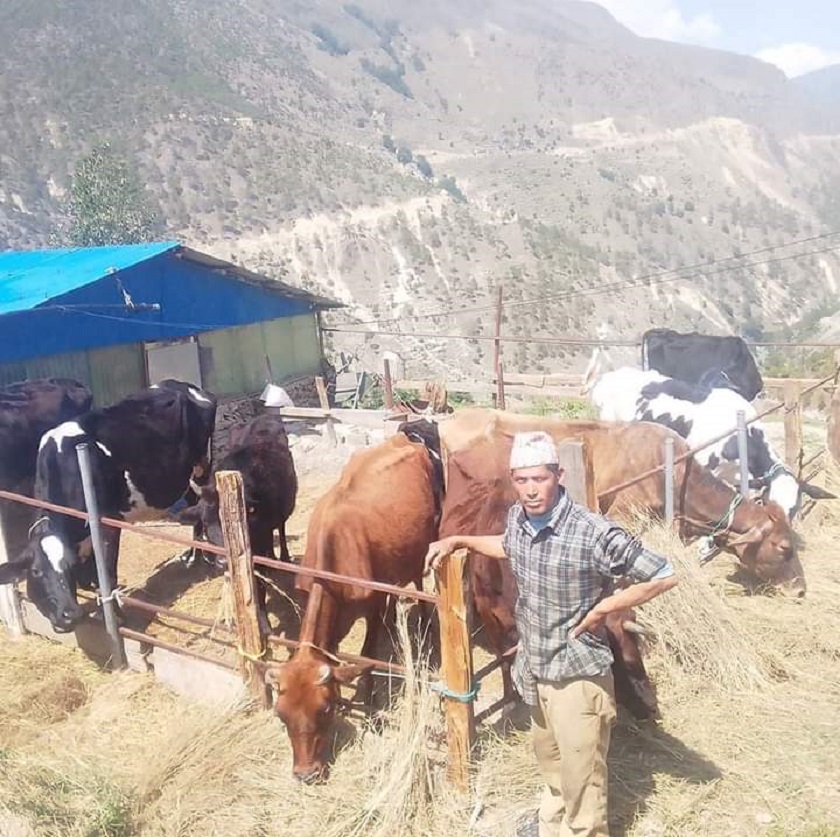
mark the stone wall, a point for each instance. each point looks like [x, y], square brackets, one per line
[241, 409]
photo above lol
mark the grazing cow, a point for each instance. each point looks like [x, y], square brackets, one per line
[700, 414]
[692, 357]
[261, 453]
[375, 523]
[28, 409]
[476, 447]
[143, 451]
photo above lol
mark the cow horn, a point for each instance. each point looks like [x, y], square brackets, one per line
[815, 492]
[635, 628]
[326, 675]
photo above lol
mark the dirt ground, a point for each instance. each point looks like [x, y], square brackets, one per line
[749, 688]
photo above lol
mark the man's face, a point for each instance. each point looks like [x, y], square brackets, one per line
[537, 488]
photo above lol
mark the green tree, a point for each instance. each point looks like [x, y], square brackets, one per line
[108, 204]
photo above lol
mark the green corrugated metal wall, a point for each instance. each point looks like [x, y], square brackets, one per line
[232, 360]
[116, 372]
[111, 373]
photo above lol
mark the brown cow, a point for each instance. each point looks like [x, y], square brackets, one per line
[375, 523]
[833, 440]
[476, 445]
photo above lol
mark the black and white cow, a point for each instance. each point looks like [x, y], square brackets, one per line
[700, 414]
[143, 451]
[260, 452]
[694, 357]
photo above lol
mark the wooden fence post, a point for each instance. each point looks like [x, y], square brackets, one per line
[793, 426]
[388, 386]
[9, 601]
[497, 347]
[456, 666]
[250, 637]
[325, 405]
[500, 386]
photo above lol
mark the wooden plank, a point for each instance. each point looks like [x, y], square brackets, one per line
[576, 461]
[793, 426]
[489, 388]
[10, 613]
[250, 636]
[456, 666]
[325, 406]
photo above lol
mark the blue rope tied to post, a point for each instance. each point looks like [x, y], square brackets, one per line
[778, 468]
[461, 697]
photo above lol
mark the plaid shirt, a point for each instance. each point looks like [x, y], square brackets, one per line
[562, 571]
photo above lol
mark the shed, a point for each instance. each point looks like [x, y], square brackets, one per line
[120, 318]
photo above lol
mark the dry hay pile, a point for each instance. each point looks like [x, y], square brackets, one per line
[749, 687]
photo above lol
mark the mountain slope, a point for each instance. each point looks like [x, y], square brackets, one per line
[822, 86]
[406, 158]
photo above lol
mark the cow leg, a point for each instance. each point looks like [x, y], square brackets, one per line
[262, 545]
[633, 688]
[284, 547]
[373, 624]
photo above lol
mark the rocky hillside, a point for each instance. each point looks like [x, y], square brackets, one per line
[406, 158]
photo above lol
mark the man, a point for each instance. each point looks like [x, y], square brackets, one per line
[564, 558]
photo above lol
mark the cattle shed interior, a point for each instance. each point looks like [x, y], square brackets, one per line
[119, 318]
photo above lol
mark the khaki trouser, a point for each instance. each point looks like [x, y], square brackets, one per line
[571, 731]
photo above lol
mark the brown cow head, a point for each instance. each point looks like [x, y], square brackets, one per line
[768, 550]
[306, 696]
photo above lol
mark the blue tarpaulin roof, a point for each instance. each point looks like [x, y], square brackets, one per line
[62, 301]
[29, 279]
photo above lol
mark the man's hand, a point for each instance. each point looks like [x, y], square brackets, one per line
[437, 552]
[591, 622]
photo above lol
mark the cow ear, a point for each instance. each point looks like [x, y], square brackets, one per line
[815, 492]
[13, 571]
[346, 674]
[755, 535]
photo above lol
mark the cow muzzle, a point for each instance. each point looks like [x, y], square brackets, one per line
[311, 775]
[65, 620]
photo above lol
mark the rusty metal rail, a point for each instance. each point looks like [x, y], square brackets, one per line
[139, 636]
[392, 668]
[113, 522]
[325, 575]
[157, 610]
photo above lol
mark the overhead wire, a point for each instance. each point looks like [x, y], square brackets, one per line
[659, 277]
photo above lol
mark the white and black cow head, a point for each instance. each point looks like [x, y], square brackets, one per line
[47, 565]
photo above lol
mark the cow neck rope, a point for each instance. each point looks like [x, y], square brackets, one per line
[724, 524]
[42, 519]
[778, 468]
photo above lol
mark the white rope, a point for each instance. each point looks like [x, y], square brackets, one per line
[116, 596]
[42, 519]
